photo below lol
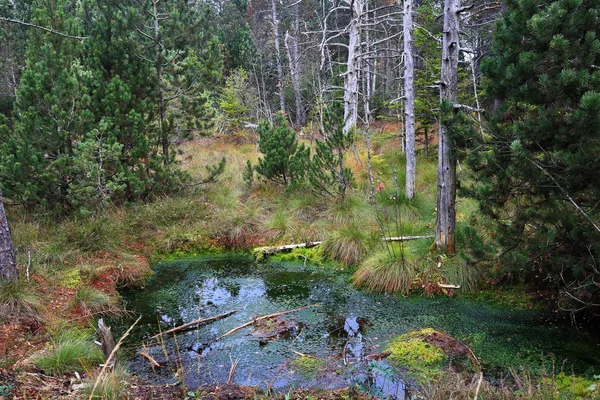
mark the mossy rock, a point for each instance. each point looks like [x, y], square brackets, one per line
[424, 353]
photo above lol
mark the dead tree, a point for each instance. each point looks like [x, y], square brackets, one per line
[275, 23]
[8, 260]
[446, 171]
[409, 100]
[291, 45]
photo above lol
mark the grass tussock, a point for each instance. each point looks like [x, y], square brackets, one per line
[72, 350]
[386, 271]
[91, 301]
[349, 244]
[20, 300]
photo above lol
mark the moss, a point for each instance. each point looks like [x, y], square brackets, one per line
[421, 359]
[509, 297]
[71, 279]
[575, 387]
[308, 366]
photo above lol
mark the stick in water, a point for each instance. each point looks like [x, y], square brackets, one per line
[261, 318]
[196, 322]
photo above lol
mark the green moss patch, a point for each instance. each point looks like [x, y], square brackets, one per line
[308, 366]
[424, 353]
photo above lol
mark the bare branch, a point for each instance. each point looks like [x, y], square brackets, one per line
[49, 30]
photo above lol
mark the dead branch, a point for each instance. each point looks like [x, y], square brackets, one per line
[149, 358]
[196, 322]
[52, 31]
[262, 318]
[111, 356]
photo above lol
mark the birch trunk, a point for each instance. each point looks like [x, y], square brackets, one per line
[8, 261]
[409, 103]
[446, 195]
[275, 23]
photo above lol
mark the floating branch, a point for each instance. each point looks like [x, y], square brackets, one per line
[261, 318]
[196, 322]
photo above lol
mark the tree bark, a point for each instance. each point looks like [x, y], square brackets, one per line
[446, 194]
[275, 23]
[409, 102]
[8, 260]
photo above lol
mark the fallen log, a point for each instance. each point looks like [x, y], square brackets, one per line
[261, 252]
[255, 320]
[448, 286]
[196, 322]
[405, 238]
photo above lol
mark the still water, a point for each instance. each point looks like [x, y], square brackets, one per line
[346, 326]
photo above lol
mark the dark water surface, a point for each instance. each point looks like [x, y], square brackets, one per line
[346, 326]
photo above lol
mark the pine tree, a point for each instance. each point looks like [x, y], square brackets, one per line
[538, 175]
[50, 112]
[327, 173]
[285, 161]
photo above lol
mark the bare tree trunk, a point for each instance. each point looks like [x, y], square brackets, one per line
[8, 260]
[275, 23]
[295, 66]
[409, 101]
[352, 66]
[446, 193]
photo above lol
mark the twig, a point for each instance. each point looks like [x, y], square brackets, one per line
[232, 370]
[110, 357]
[262, 318]
[148, 357]
[302, 354]
[196, 322]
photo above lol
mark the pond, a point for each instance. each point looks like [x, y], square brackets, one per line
[343, 327]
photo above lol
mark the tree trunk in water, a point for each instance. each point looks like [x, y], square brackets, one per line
[275, 23]
[446, 195]
[409, 103]
[8, 261]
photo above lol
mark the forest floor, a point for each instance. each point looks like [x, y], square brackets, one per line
[76, 267]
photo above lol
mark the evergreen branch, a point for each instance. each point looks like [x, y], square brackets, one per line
[577, 207]
[49, 30]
